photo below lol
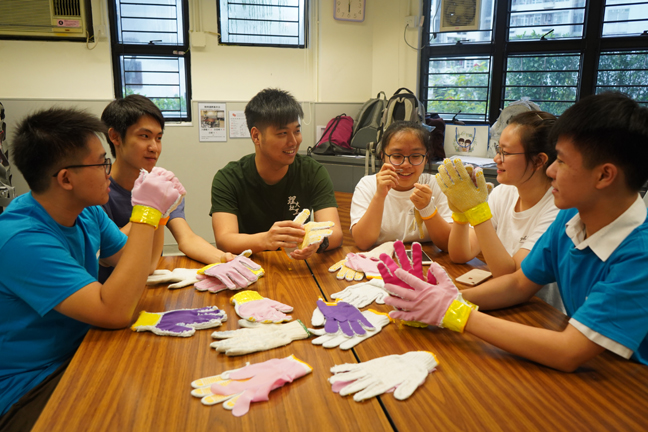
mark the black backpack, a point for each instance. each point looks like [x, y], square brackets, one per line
[367, 122]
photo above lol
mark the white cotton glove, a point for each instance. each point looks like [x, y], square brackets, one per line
[315, 232]
[377, 319]
[363, 294]
[404, 372]
[258, 337]
[182, 276]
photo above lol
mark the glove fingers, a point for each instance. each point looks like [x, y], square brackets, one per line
[440, 274]
[357, 385]
[443, 180]
[332, 326]
[417, 260]
[401, 255]
[406, 389]
[372, 390]
[213, 399]
[337, 266]
[451, 170]
[247, 262]
[461, 169]
[349, 329]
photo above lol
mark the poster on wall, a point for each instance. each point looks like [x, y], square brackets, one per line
[212, 121]
[238, 125]
[466, 140]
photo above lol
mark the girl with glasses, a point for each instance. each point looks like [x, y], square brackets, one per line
[400, 202]
[522, 205]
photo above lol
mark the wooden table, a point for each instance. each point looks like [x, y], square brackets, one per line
[482, 388]
[127, 381]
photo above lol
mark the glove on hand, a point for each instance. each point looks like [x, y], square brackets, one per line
[182, 276]
[181, 322]
[465, 196]
[258, 337]
[404, 373]
[253, 383]
[159, 190]
[363, 294]
[315, 232]
[250, 305]
[415, 267]
[349, 274]
[441, 305]
[377, 319]
[340, 316]
[239, 273]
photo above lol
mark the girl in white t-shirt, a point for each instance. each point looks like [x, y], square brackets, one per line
[400, 202]
[522, 205]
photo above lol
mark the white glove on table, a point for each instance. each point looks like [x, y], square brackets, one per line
[377, 319]
[182, 276]
[363, 294]
[258, 337]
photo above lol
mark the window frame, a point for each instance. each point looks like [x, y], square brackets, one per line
[306, 31]
[118, 49]
[589, 46]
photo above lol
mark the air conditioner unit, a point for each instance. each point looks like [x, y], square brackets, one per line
[460, 15]
[45, 19]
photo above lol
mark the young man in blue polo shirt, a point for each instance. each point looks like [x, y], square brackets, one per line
[52, 240]
[596, 250]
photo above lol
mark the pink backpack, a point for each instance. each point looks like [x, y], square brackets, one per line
[336, 138]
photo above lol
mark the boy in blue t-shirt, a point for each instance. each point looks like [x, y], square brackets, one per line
[52, 240]
[596, 249]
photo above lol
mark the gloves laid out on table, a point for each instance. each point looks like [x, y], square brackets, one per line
[181, 322]
[363, 294]
[357, 266]
[403, 373]
[181, 276]
[250, 305]
[377, 320]
[155, 195]
[340, 317]
[239, 273]
[237, 389]
[438, 303]
[315, 232]
[255, 337]
[467, 192]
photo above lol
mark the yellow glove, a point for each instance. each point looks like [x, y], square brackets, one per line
[464, 195]
[345, 272]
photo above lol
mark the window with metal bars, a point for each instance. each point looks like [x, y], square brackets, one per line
[553, 52]
[280, 23]
[151, 53]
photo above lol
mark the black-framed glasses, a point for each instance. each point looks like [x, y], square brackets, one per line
[107, 166]
[503, 153]
[399, 159]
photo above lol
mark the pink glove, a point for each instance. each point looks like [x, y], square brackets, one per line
[440, 305]
[250, 305]
[388, 266]
[253, 383]
[211, 284]
[235, 274]
[159, 189]
[364, 264]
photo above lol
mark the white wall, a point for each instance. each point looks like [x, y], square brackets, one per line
[344, 63]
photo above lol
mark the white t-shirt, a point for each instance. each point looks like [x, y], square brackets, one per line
[398, 222]
[521, 230]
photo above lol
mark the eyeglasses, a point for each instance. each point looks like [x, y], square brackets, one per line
[399, 159]
[503, 153]
[107, 166]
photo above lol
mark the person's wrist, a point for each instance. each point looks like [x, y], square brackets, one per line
[429, 211]
[456, 316]
[146, 215]
[459, 218]
[323, 246]
[478, 214]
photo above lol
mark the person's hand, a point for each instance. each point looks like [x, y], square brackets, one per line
[284, 234]
[466, 194]
[305, 253]
[421, 196]
[227, 257]
[155, 195]
[386, 179]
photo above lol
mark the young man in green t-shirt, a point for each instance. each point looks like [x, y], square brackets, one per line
[255, 199]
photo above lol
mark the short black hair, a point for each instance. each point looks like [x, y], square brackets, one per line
[534, 135]
[406, 126]
[608, 128]
[272, 107]
[48, 139]
[121, 114]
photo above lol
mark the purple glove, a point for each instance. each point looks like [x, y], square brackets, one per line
[237, 273]
[238, 388]
[362, 263]
[181, 322]
[159, 189]
[343, 316]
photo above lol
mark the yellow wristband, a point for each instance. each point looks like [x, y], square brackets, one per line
[459, 218]
[456, 316]
[478, 214]
[146, 215]
[245, 296]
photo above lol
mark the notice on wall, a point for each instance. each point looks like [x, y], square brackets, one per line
[466, 140]
[212, 121]
[238, 125]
